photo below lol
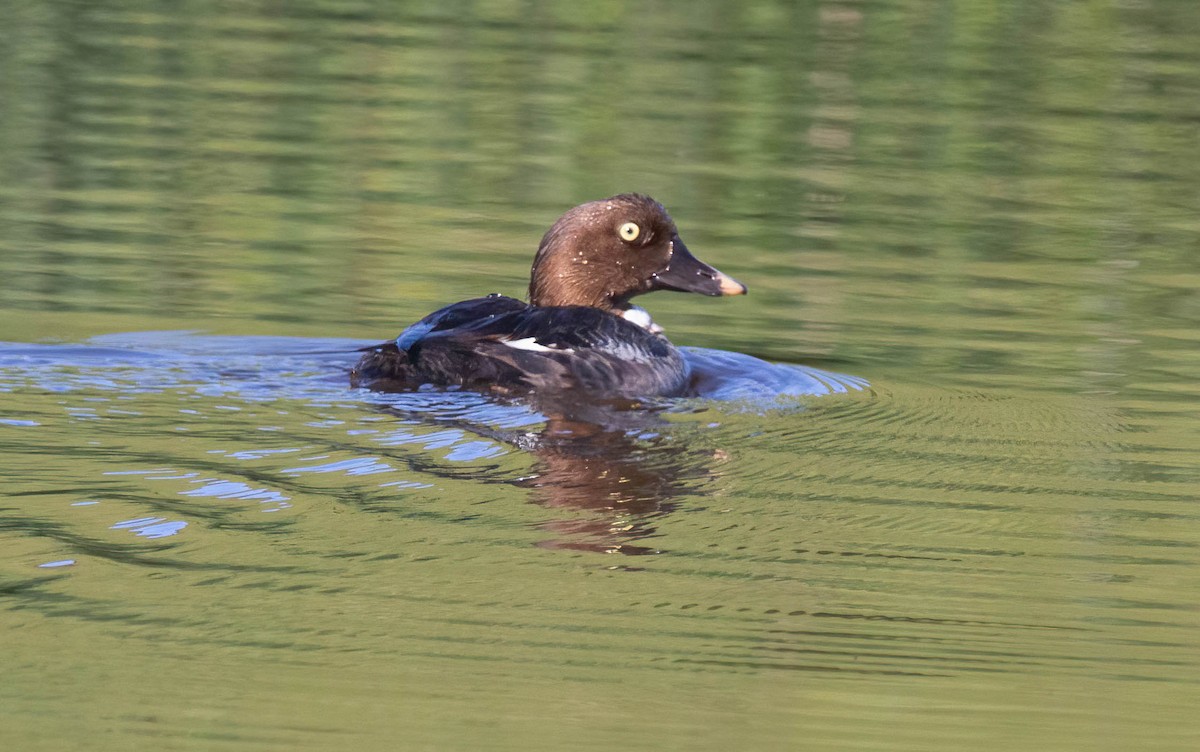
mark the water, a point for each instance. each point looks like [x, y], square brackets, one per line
[989, 212]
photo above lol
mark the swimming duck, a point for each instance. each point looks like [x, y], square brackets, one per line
[578, 332]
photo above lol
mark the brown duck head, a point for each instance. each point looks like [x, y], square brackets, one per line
[603, 253]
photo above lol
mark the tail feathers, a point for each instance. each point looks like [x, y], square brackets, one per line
[381, 366]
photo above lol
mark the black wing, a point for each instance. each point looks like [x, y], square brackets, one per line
[466, 315]
[389, 366]
[550, 348]
[502, 344]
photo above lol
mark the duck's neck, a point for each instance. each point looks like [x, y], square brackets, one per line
[555, 284]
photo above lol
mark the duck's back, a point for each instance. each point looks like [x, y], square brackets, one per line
[502, 344]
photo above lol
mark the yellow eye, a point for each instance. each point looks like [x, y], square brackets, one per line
[629, 232]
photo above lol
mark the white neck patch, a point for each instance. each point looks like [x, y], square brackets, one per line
[641, 317]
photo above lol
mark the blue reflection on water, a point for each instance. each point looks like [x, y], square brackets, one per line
[151, 527]
[731, 376]
[231, 489]
[57, 564]
[356, 466]
[267, 368]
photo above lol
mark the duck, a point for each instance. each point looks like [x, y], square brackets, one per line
[578, 334]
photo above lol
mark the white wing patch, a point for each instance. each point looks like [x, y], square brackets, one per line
[531, 344]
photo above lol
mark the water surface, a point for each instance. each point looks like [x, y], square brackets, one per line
[210, 541]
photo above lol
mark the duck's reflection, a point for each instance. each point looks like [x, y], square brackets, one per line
[622, 481]
[611, 472]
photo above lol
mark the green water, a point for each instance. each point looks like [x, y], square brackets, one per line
[990, 211]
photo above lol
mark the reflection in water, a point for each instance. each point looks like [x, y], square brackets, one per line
[608, 460]
[943, 195]
[921, 536]
[151, 527]
[605, 464]
[609, 470]
[620, 482]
